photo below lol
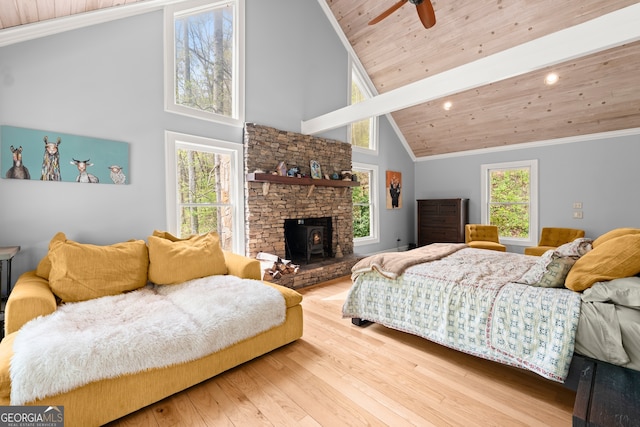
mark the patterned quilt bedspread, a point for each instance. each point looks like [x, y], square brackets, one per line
[468, 301]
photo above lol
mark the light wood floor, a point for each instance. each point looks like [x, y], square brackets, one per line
[339, 374]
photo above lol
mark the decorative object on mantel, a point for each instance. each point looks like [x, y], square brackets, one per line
[294, 171]
[346, 175]
[394, 187]
[282, 169]
[315, 169]
[66, 157]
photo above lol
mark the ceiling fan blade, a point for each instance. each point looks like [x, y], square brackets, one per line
[426, 13]
[388, 12]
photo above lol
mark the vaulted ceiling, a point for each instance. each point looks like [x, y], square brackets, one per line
[597, 91]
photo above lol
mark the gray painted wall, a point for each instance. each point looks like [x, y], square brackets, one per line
[602, 174]
[106, 81]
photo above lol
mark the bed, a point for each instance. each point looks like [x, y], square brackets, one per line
[531, 312]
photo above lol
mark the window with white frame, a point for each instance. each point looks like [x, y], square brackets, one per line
[510, 200]
[204, 185]
[203, 60]
[364, 134]
[365, 211]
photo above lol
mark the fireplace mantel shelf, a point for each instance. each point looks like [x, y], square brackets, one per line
[267, 179]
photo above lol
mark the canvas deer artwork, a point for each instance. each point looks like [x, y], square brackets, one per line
[107, 160]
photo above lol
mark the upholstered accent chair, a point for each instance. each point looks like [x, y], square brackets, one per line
[483, 236]
[552, 237]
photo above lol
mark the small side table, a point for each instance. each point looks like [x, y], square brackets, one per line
[6, 255]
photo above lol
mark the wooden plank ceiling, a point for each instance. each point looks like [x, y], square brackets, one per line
[20, 12]
[596, 93]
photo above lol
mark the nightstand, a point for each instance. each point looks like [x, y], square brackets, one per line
[6, 255]
[607, 395]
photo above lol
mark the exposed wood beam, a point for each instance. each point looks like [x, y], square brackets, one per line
[604, 32]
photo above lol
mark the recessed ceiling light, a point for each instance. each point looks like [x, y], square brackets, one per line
[447, 105]
[551, 78]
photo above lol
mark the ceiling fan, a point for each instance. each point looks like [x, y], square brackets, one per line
[424, 8]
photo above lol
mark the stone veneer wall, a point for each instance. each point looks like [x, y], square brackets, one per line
[265, 147]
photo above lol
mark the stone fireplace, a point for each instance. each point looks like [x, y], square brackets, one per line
[292, 200]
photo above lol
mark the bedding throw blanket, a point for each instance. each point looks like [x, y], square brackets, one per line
[152, 327]
[535, 327]
[467, 301]
[393, 264]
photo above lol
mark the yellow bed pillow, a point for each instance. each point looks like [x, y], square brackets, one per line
[83, 271]
[615, 258]
[617, 232]
[175, 261]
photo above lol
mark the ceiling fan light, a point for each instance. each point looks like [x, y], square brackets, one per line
[447, 105]
[551, 79]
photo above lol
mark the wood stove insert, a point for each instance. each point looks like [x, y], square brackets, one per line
[307, 237]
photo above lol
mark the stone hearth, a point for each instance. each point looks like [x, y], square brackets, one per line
[316, 272]
[267, 208]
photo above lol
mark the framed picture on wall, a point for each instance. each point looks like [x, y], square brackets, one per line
[46, 155]
[394, 190]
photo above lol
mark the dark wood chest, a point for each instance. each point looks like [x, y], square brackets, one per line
[442, 220]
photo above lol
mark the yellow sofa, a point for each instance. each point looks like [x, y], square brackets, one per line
[102, 401]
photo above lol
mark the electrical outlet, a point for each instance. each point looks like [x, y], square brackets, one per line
[577, 215]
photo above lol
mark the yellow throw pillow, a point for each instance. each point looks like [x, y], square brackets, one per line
[82, 271]
[168, 236]
[44, 266]
[613, 234]
[613, 259]
[176, 261]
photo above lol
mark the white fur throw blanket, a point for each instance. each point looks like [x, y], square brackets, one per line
[152, 327]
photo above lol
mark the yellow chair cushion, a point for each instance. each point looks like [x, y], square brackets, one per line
[173, 260]
[487, 245]
[537, 250]
[82, 271]
[613, 234]
[615, 258]
[44, 266]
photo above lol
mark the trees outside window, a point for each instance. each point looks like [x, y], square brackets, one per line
[363, 133]
[365, 214]
[509, 200]
[203, 189]
[203, 51]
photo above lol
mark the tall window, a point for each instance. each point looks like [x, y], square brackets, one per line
[203, 74]
[364, 197]
[203, 186]
[510, 200]
[363, 133]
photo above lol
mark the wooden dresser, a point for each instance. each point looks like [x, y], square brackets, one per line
[442, 220]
